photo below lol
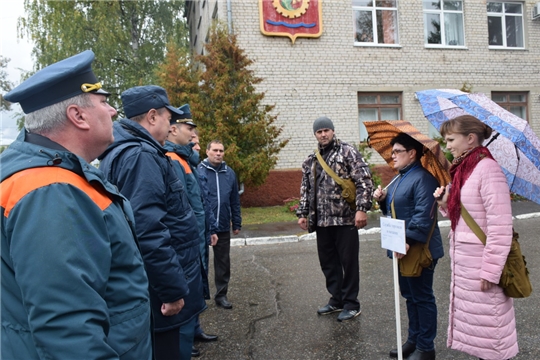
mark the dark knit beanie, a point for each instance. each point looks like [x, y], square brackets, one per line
[322, 123]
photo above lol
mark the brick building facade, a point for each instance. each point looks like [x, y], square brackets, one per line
[342, 76]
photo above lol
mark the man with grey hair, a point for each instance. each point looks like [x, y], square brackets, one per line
[73, 280]
[324, 209]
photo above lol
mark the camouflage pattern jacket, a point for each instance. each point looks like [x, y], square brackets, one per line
[320, 196]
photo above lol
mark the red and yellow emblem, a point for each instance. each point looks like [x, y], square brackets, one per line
[292, 18]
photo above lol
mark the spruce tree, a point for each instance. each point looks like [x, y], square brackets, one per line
[233, 110]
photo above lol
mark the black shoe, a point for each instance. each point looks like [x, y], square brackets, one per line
[348, 314]
[224, 303]
[422, 355]
[203, 337]
[406, 349]
[195, 352]
[328, 309]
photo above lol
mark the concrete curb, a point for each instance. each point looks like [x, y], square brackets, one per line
[294, 238]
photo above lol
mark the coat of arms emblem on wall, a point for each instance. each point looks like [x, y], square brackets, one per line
[292, 18]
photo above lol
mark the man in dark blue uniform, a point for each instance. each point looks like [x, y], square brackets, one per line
[180, 150]
[165, 223]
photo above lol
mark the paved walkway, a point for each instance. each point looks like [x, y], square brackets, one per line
[276, 289]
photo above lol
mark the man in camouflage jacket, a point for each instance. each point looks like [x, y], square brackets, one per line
[323, 209]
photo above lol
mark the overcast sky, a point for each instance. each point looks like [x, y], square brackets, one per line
[19, 52]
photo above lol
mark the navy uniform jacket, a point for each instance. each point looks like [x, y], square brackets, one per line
[165, 223]
[73, 280]
[180, 156]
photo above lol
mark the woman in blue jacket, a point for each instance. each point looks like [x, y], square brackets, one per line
[410, 197]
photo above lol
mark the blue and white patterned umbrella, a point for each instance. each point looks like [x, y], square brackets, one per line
[513, 144]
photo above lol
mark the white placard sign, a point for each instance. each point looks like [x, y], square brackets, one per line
[393, 234]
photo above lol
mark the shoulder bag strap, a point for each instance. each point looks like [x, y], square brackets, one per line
[326, 168]
[473, 224]
[314, 166]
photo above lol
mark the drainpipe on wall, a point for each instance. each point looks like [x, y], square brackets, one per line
[229, 16]
[229, 25]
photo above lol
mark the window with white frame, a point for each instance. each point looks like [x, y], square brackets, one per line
[377, 106]
[375, 22]
[515, 102]
[443, 23]
[505, 24]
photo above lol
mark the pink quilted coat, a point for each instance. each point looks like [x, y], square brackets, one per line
[482, 323]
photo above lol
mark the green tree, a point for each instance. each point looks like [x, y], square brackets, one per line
[128, 37]
[5, 84]
[233, 111]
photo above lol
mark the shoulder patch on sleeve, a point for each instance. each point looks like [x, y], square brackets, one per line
[174, 156]
[20, 184]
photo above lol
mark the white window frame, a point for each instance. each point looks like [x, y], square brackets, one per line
[503, 16]
[441, 12]
[373, 9]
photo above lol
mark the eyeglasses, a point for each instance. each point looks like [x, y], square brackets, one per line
[398, 151]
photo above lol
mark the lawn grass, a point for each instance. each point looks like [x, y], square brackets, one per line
[273, 214]
[265, 215]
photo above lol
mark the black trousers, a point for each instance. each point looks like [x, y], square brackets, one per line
[338, 248]
[222, 264]
[175, 344]
[167, 345]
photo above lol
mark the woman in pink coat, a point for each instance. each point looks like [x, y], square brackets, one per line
[481, 317]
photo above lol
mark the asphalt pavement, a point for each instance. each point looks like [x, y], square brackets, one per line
[277, 286]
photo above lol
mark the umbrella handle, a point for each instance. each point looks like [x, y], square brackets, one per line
[493, 138]
[391, 182]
